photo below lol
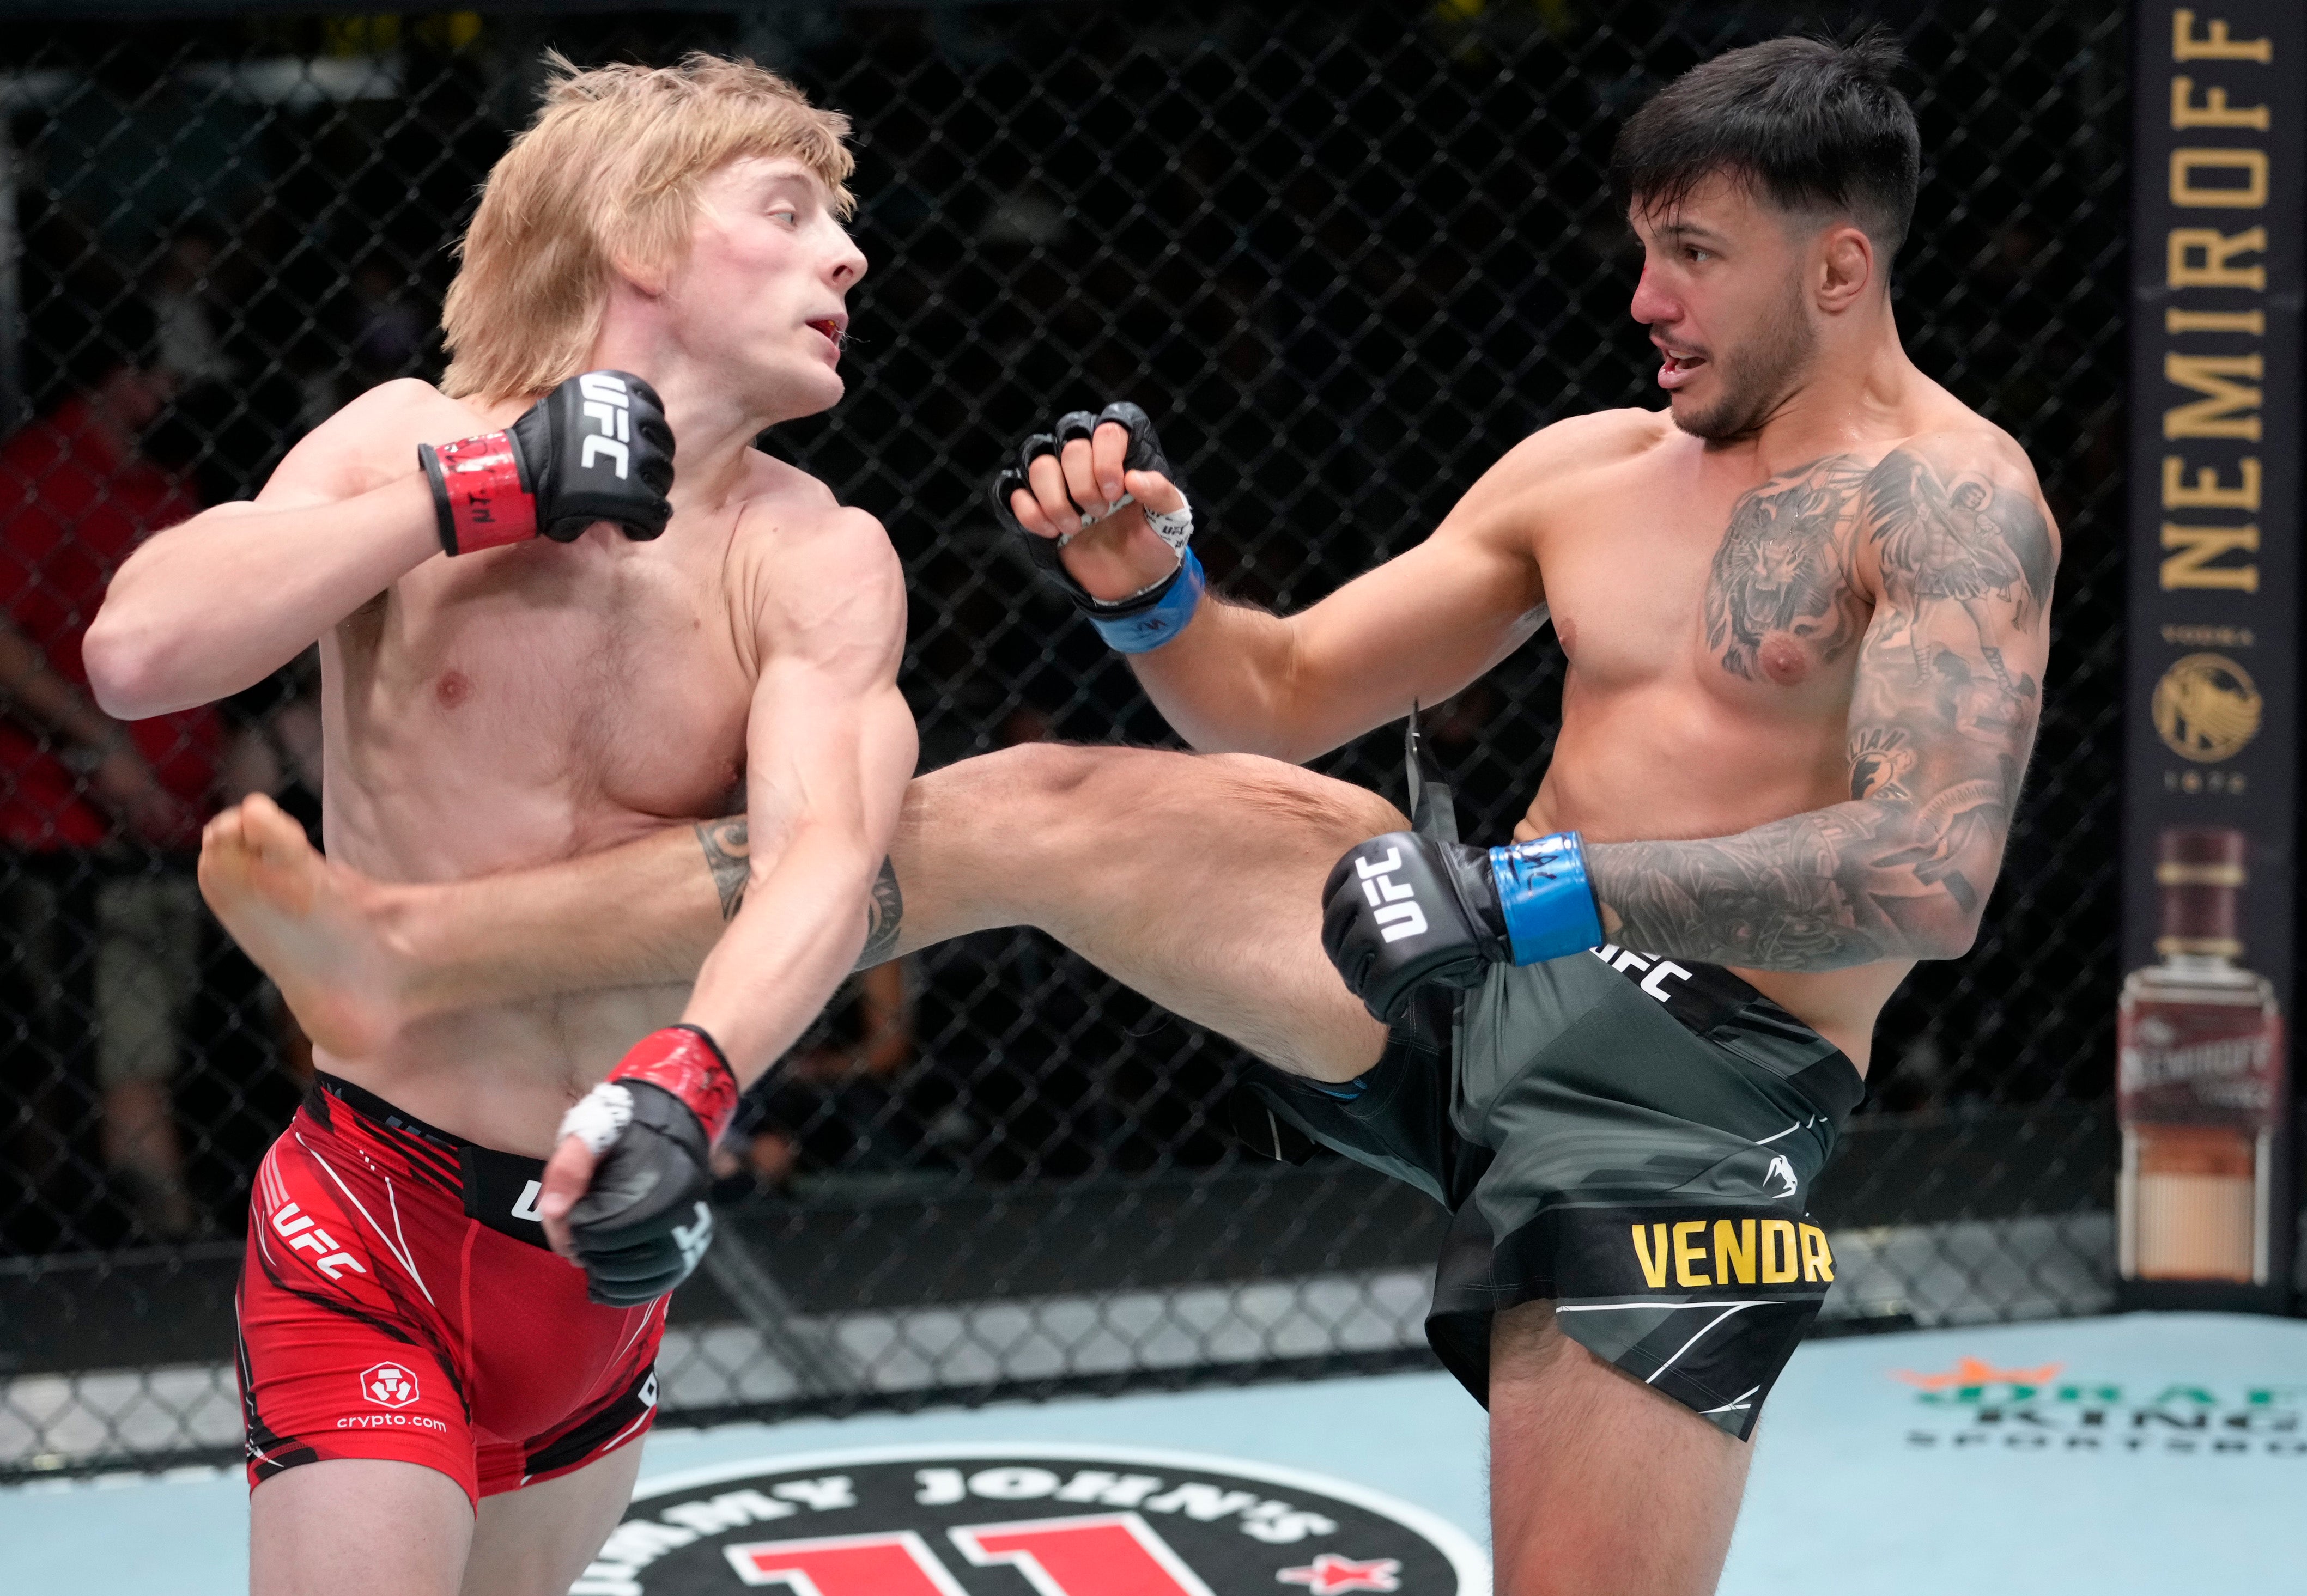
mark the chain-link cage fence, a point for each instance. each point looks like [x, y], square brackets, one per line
[1349, 255]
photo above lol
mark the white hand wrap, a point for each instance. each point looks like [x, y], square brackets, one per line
[599, 1117]
[1173, 528]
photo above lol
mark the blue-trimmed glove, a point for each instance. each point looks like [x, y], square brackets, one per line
[1145, 619]
[1403, 911]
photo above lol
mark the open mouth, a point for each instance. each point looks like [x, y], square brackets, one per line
[832, 332]
[1678, 369]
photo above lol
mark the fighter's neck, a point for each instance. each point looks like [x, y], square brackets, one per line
[1853, 397]
[713, 426]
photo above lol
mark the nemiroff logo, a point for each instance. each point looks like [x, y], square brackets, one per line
[1068, 1521]
[1977, 1405]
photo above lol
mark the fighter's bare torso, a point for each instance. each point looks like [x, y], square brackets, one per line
[1712, 601]
[523, 706]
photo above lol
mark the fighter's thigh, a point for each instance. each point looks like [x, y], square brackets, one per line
[535, 1541]
[1194, 878]
[357, 1527]
[1598, 1482]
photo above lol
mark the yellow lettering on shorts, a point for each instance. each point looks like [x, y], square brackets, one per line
[1654, 1271]
[1734, 1251]
[1688, 1251]
[1818, 1263]
[1780, 1261]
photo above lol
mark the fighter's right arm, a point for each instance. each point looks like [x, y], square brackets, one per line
[1418, 628]
[214, 605]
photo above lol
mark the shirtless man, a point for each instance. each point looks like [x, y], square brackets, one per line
[1804, 608]
[433, 1401]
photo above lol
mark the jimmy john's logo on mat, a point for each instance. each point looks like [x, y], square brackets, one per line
[1692, 1254]
[1058, 1521]
[1979, 1406]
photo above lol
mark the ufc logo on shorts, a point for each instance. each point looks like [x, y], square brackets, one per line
[1625, 961]
[301, 1233]
[1395, 901]
[608, 406]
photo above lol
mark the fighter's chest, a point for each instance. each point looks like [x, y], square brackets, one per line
[615, 678]
[1749, 593]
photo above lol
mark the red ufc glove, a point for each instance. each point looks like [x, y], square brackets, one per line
[596, 449]
[643, 1223]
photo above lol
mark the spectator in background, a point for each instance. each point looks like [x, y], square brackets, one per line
[85, 799]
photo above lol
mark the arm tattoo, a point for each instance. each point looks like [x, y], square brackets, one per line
[1940, 722]
[729, 855]
[883, 915]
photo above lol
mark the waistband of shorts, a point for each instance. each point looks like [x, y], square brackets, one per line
[497, 1190]
[1719, 1007]
[379, 1116]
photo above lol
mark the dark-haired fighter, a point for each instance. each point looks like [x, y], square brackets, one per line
[1805, 610]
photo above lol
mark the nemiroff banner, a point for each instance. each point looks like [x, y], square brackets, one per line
[2209, 893]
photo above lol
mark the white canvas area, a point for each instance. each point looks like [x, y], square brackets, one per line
[1845, 1497]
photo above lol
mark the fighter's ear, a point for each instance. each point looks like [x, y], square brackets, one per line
[648, 276]
[1844, 267]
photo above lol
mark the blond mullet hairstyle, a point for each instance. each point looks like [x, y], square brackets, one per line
[606, 176]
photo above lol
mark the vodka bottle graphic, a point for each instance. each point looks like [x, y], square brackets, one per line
[2200, 1080]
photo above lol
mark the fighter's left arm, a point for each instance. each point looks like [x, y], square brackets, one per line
[1951, 540]
[830, 744]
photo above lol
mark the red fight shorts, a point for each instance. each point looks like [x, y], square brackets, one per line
[399, 1301]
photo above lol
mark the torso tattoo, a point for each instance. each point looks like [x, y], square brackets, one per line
[1940, 723]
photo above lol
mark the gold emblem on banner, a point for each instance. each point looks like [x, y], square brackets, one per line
[2207, 708]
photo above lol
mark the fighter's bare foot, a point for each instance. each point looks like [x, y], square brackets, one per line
[311, 925]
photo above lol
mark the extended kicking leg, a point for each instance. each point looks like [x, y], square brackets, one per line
[1195, 880]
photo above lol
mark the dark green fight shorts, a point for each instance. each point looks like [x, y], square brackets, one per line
[1631, 1138]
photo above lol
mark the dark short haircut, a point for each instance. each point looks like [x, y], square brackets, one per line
[1811, 125]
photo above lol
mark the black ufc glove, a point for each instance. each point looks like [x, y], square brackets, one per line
[596, 449]
[644, 1223]
[1403, 911]
[1174, 528]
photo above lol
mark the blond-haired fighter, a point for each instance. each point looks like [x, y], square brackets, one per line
[539, 640]
[1805, 603]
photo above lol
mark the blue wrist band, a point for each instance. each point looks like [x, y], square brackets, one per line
[1548, 903]
[1149, 628]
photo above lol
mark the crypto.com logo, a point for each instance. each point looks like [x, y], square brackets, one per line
[389, 1385]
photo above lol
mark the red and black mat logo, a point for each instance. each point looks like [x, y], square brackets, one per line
[1048, 1520]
